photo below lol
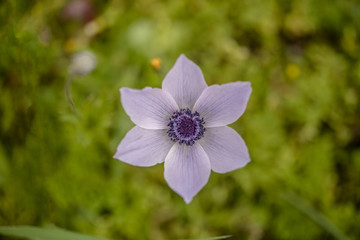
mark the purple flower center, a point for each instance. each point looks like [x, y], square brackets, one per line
[186, 127]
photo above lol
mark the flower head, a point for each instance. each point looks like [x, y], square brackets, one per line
[83, 63]
[184, 125]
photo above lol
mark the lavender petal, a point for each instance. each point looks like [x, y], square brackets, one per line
[226, 149]
[144, 147]
[185, 82]
[187, 170]
[221, 105]
[148, 108]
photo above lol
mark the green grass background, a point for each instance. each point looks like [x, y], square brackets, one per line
[301, 125]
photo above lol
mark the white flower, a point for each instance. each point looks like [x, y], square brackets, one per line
[184, 125]
[83, 63]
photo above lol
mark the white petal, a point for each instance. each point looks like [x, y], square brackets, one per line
[144, 147]
[221, 105]
[187, 170]
[226, 149]
[148, 108]
[185, 82]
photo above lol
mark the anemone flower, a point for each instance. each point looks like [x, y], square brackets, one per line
[184, 125]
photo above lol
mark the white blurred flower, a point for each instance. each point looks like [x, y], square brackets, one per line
[83, 63]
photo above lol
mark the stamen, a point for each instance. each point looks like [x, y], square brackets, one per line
[186, 127]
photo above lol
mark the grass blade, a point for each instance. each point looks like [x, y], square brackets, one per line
[210, 238]
[36, 233]
[316, 216]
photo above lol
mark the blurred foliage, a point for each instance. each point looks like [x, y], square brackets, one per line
[301, 125]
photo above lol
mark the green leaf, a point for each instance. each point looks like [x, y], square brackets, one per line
[316, 216]
[36, 233]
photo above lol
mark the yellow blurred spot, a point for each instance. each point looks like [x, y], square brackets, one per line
[71, 45]
[76, 43]
[94, 27]
[156, 63]
[292, 71]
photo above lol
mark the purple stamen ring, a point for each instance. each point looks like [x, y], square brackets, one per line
[186, 127]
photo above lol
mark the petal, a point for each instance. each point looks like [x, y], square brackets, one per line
[226, 149]
[187, 170]
[221, 105]
[144, 147]
[185, 82]
[148, 108]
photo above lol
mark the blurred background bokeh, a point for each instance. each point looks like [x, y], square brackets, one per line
[301, 126]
